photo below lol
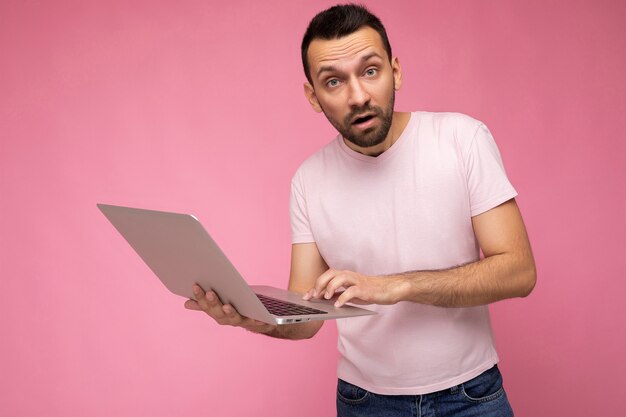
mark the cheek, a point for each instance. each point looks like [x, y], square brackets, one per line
[382, 91]
[333, 105]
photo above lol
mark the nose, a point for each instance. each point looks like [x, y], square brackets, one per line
[358, 95]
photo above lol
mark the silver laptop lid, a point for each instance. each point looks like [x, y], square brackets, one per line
[180, 252]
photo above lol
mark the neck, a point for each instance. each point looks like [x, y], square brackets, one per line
[398, 123]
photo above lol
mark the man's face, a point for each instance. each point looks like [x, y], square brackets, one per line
[354, 85]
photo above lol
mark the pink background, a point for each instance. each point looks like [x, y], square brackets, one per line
[197, 106]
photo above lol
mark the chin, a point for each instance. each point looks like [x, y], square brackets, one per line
[365, 142]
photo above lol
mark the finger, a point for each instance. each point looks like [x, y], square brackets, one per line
[343, 280]
[347, 295]
[309, 294]
[354, 295]
[320, 284]
[192, 305]
[208, 302]
[231, 315]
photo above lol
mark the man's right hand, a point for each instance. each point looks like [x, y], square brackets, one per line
[306, 265]
[225, 314]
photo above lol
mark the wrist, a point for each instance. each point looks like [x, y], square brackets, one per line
[261, 328]
[270, 330]
[401, 289]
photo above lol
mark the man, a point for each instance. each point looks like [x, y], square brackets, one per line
[395, 212]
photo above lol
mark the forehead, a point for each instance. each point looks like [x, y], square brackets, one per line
[335, 51]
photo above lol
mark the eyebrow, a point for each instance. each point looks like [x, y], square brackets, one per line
[331, 68]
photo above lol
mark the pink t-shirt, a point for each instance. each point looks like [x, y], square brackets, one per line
[408, 209]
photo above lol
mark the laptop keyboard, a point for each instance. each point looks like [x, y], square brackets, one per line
[285, 308]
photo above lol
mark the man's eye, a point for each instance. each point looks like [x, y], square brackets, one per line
[371, 72]
[332, 83]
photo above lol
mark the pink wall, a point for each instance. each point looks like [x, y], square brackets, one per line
[197, 106]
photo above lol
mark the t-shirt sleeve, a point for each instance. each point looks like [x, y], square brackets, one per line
[300, 226]
[488, 184]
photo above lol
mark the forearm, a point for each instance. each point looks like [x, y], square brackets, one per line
[478, 283]
[507, 271]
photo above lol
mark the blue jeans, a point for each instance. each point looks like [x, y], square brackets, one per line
[482, 396]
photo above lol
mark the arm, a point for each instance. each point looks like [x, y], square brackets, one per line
[507, 271]
[306, 265]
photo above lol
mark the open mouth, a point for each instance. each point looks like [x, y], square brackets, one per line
[363, 119]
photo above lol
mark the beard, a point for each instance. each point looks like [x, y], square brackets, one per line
[372, 136]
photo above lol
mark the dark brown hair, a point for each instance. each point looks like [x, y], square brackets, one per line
[338, 21]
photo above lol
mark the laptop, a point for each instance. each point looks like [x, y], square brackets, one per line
[180, 252]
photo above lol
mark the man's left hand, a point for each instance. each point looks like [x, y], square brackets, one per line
[359, 288]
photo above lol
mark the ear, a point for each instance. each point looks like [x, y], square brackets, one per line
[309, 93]
[397, 73]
